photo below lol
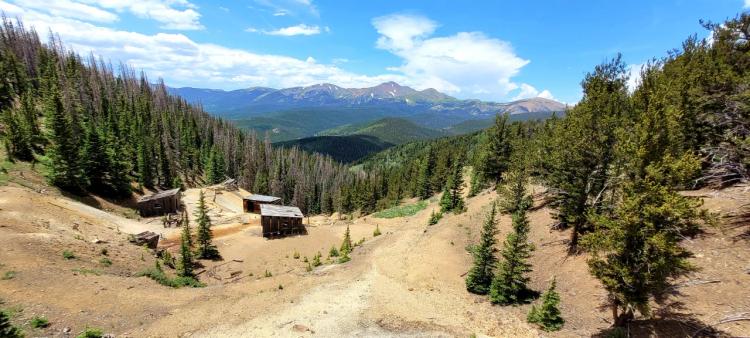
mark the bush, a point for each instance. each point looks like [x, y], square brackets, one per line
[91, 332]
[296, 254]
[434, 217]
[105, 261]
[267, 274]
[333, 252]
[104, 251]
[39, 322]
[67, 254]
[157, 274]
[376, 233]
[8, 275]
[401, 211]
[316, 260]
[281, 287]
[547, 316]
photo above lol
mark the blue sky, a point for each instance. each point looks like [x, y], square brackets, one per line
[491, 50]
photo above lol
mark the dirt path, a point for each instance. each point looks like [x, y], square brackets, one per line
[406, 283]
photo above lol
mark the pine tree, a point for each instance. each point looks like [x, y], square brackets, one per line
[548, 315]
[446, 202]
[496, 150]
[18, 139]
[424, 179]
[65, 165]
[185, 268]
[206, 249]
[509, 284]
[452, 199]
[7, 330]
[512, 192]
[479, 278]
[346, 244]
[96, 163]
[636, 251]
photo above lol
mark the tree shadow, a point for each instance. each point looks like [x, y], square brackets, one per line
[528, 296]
[671, 320]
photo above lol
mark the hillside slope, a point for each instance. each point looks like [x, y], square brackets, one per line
[344, 149]
[390, 130]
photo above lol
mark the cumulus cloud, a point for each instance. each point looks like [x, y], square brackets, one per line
[464, 64]
[300, 29]
[184, 62]
[527, 91]
[747, 3]
[172, 14]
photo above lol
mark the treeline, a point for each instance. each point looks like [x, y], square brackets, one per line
[97, 130]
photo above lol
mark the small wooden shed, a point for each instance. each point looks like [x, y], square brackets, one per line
[280, 220]
[252, 203]
[160, 203]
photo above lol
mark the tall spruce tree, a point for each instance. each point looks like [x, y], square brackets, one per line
[206, 249]
[512, 191]
[186, 264]
[65, 164]
[424, 180]
[496, 150]
[480, 276]
[509, 284]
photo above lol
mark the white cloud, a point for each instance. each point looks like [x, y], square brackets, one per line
[184, 62]
[467, 64]
[172, 14]
[70, 9]
[527, 91]
[300, 29]
[634, 75]
[747, 3]
[281, 12]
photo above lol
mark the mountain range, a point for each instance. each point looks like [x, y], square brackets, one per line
[299, 112]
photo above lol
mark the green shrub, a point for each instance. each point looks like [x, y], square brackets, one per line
[39, 322]
[281, 287]
[333, 252]
[105, 261]
[376, 233]
[296, 254]
[91, 332]
[548, 316]
[316, 260]
[401, 211]
[267, 274]
[8, 275]
[157, 274]
[67, 254]
[434, 217]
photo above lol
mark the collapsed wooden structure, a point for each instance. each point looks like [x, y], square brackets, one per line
[147, 238]
[160, 203]
[278, 220]
[253, 202]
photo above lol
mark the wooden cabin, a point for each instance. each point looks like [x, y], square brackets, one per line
[253, 202]
[160, 203]
[280, 220]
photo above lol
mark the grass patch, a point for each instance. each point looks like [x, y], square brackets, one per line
[67, 254]
[105, 261]
[86, 271]
[91, 332]
[8, 275]
[39, 322]
[160, 277]
[401, 210]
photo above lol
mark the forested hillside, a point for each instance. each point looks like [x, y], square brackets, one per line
[97, 129]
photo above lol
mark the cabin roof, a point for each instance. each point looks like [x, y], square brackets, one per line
[262, 198]
[280, 211]
[159, 195]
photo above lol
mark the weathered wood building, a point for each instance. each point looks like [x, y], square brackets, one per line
[280, 220]
[160, 203]
[252, 203]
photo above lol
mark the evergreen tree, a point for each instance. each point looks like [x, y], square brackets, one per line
[512, 192]
[424, 180]
[65, 165]
[479, 278]
[496, 150]
[548, 315]
[346, 244]
[7, 330]
[185, 268]
[509, 284]
[96, 163]
[452, 199]
[206, 249]
[636, 251]
[18, 139]
[215, 171]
